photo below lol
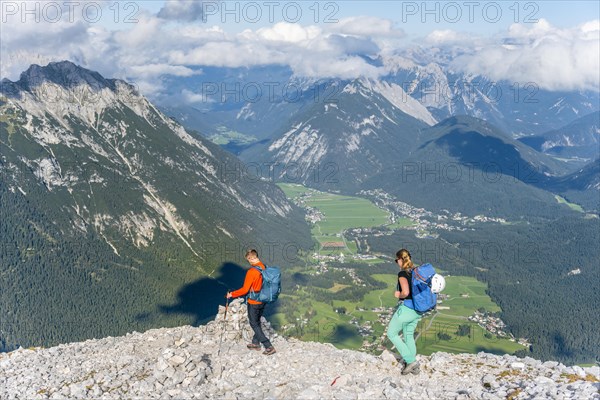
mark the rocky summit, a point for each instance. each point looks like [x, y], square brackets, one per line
[212, 361]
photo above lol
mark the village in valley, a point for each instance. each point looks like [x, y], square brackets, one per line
[424, 223]
[425, 220]
[494, 325]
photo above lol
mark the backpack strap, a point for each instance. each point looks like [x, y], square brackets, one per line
[258, 269]
[420, 277]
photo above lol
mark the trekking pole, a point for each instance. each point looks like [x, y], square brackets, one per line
[224, 325]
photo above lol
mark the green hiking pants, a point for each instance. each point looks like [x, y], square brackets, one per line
[404, 319]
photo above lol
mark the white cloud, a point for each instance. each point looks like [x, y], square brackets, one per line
[378, 31]
[550, 57]
[227, 54]
[368, 27]
[146, 32]
[191, 97]
[25, 44]
[150, 87]
[447, 37]
[182, 10]
[156, 48]
[353, 45]
[344, 68]
[287, 32]
[307, 50]
[155, 70]
[138, 54]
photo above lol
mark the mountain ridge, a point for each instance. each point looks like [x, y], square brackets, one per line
[337, 145]
[64, 73]
[212, 361]
[99, 169]
[466, 156]
[579, 141]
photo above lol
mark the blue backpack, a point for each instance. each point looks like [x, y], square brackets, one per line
[271, 285]
[423, 299]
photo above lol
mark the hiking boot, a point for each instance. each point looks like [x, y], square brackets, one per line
[401, 362]
[411, 368]
[269, 351]
[253, 346]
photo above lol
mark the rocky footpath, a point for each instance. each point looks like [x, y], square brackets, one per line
[212, 361]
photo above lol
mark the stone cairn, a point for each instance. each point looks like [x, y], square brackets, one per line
[236, 326]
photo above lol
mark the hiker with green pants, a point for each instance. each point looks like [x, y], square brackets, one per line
[405, 319]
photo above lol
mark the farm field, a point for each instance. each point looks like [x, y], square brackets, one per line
[327, 325]
[339, 214]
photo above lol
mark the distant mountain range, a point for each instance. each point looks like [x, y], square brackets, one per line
[313, 129]
[255, 100]
[338, 145]
[517, 108]
[95, 178]
[367, 140]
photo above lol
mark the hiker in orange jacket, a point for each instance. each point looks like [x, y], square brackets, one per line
[253, 282]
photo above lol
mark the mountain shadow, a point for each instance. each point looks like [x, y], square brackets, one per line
[560, 346]
[201, 299]
[477, 149]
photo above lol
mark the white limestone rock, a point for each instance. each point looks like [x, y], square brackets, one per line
[212, 361]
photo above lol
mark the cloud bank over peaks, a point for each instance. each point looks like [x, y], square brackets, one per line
[552, 58]
[310, 51]
[175, 42]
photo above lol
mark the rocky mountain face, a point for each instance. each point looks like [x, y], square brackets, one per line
[212, 361]
[518, 108]
[337, 145]
[109, 209]
[90, 140]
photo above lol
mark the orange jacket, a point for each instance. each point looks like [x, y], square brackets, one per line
[252, 281]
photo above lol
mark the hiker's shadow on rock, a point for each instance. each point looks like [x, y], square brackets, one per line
[497, 350]
[201, 299]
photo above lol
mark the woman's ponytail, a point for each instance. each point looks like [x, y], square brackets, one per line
[404, 255]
